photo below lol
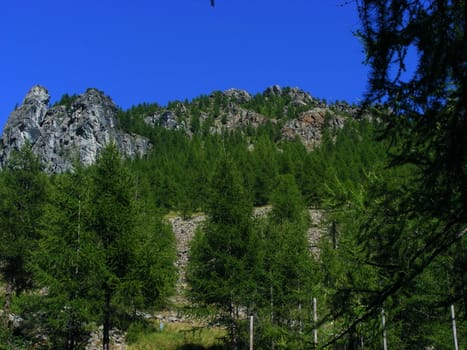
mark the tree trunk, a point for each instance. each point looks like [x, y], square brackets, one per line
[271, 292]
[463, 273]
[106, 330]
[7, 304]
[233, 328]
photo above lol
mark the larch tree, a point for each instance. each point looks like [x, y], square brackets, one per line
[427, 116]
[417, 54]
[223, 254]
[23, 194]
[66, 263]
[285, 287]
[136, 269]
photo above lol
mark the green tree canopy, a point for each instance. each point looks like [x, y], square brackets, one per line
[137, 265]
[417, 54]
[415, 215]
[66, 263]
[285, 282]
[223, 253]
[23, 194]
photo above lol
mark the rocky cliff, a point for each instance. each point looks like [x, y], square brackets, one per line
[63, 134]
[294, 111]
[79, 126]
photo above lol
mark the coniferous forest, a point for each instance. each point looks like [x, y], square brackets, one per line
[93, 246]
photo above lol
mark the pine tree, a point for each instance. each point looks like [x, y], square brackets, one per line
[65, 263]
[152, 273]
[264, 169]
[287, 267]
[418, 216]
[223, 253]
[137, 249]
[24, 189]
[113, 222]
[428, 107]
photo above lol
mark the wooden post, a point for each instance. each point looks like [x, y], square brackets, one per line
[454, 329]
[383, 321]
[251, 332]
[315, 327]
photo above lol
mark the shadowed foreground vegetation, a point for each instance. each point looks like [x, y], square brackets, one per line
[178, 336]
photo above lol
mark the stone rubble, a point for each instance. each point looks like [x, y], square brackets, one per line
[316, 231]
[184, 230]
[117, 340]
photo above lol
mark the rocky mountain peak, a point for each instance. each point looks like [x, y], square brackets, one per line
[239, 95]
[94, 97]
[274, 90]
[23, 125]
[76, 128]
[37, 94]
[63, 134]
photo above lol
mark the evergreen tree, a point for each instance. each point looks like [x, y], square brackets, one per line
[223, 253]
[129, 272]
[419, 215]
[113, 222]
[23, 194]
[428, 113]
[287, 269]
[104, 252]
[65, 263]
[264, 169]
[152, 274]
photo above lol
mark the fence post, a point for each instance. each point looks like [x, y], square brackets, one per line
[251, 332]
[383, 321]
[454, 328]
[315, 327]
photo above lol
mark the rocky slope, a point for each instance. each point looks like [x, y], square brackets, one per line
[296, 112]
[62, 134]
[185, 228]
[76, 129]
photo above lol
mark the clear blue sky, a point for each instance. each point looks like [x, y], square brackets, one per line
[161, 50]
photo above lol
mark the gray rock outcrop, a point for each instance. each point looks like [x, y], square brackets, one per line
[61, 135]
[308, 126]
[166, 119]
[238, 95]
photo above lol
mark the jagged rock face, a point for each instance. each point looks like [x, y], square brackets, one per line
[308, 125]
[238, 95]
[297, 96]
[166, 119]
[61, 135]
[236, 117]
[25, 122]
[235, 114]
[302, 98]
[273, 90]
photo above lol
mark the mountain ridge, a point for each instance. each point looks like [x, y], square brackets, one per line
[77, 127]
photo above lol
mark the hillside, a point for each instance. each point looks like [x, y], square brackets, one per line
[207, 211]
[78, 126]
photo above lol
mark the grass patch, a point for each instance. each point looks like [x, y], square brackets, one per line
[178, 336]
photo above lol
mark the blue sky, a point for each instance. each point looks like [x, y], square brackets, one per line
[161, 50]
